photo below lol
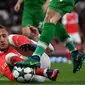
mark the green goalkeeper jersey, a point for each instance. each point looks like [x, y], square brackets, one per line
[33, 4]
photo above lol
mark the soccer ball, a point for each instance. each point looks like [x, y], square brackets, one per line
[23, 74]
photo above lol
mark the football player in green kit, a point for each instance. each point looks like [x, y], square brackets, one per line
[33, 14]
[52, 27]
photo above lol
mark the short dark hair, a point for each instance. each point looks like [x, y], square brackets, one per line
[3, 27]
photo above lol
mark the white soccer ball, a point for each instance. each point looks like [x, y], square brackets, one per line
[23, 74]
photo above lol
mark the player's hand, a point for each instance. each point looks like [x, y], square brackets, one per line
[34, 31]
[17, 7]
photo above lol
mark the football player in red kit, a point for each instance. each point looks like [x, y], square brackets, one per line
[11, 51]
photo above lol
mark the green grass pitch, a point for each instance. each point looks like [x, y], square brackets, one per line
[66, 77]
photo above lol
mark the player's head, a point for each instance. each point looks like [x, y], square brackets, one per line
[4, 44]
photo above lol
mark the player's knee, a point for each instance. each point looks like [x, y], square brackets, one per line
[55, 18]
[8, 57]
[47, 18]
[52, 19]
[52, 16]
[38, 78]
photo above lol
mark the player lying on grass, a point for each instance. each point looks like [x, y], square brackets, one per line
[10, 53]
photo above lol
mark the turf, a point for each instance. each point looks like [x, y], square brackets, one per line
[66, 77]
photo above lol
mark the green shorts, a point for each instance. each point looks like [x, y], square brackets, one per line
[32, 17]
[62, 6]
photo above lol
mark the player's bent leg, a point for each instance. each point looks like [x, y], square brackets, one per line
[51, 74]
[45, 63]
[38, 78]
[52, 17]
[77, 57]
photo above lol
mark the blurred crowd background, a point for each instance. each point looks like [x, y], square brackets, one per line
[12, 20]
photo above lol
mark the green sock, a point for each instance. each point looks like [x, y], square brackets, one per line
[61, 32]
[45, 38]
[63, 36]
[70, 45]
[48, 33]
[39, 51]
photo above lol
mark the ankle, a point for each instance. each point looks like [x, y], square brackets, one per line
[36, 57]
[75, 51]
[39, 71]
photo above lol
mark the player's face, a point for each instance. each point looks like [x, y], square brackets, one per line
[4, 44]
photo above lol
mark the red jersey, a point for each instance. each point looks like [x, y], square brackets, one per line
[70, 20]
[15, 41]
[4, 69]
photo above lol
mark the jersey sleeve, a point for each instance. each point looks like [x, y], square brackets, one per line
[6, 72]
[17, 40]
